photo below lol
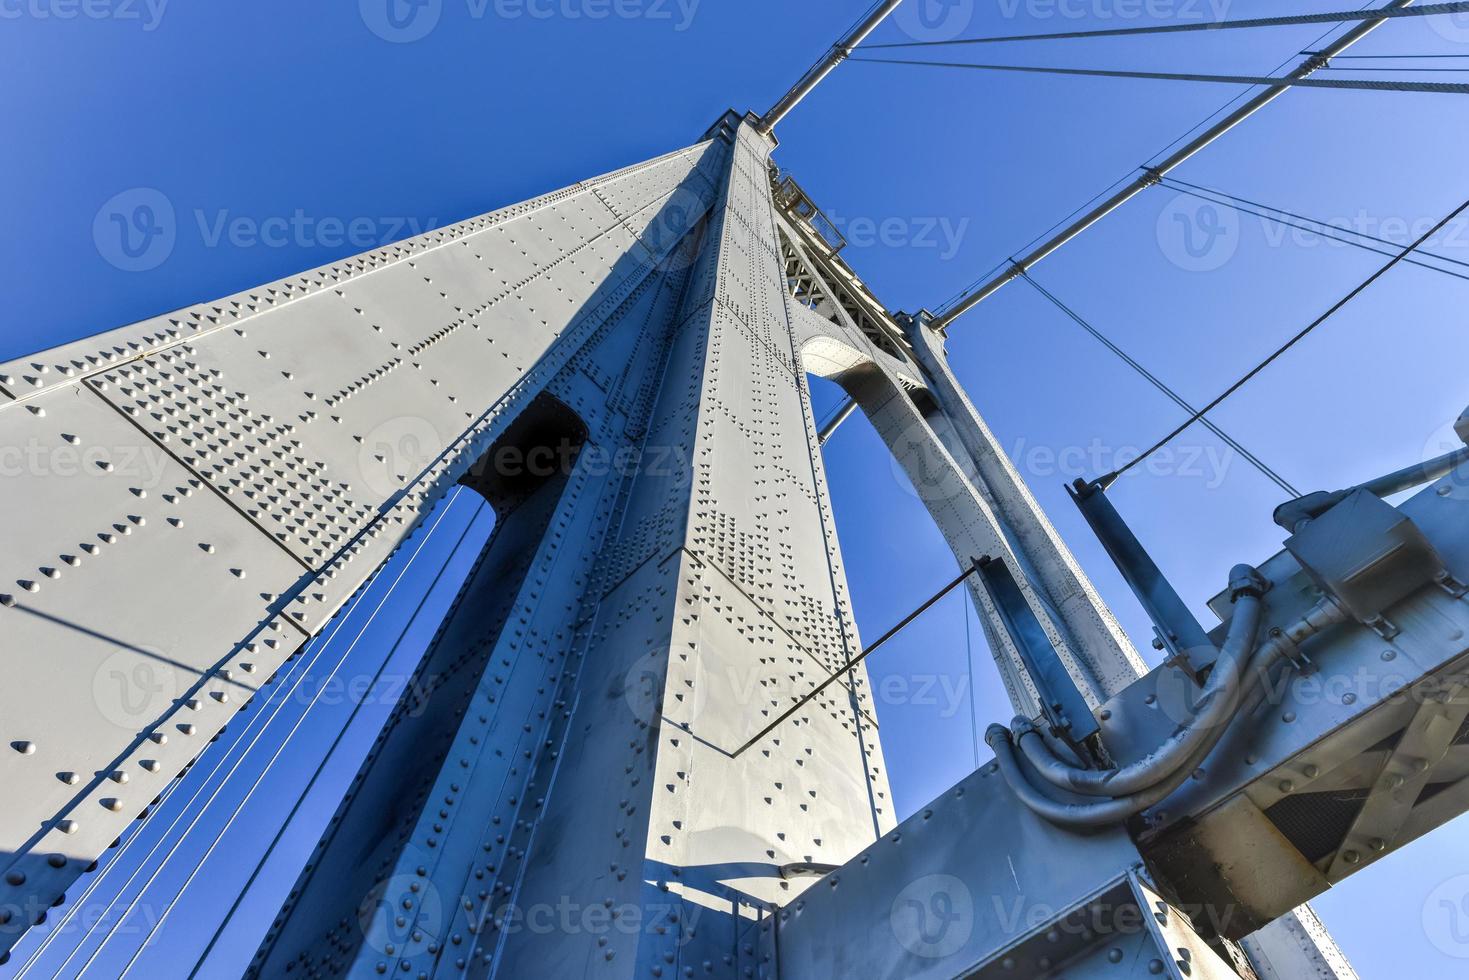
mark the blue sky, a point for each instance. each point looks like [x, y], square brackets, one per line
[322, 116]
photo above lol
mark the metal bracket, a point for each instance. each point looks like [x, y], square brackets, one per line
[1068, 713]
[1405, 774]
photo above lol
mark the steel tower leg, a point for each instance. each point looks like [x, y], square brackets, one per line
[1285, 948]
[575, 803]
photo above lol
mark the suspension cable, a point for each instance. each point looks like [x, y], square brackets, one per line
[260, 778]
[1399, 68]
[290, 671]
[1162, 386]
[1364, 84]
[847, 667]
[331, 749]
[247, 748]
[1334, 17]
[1178, 152]
[1129, 177]
[1303, 223]
[1280, 351]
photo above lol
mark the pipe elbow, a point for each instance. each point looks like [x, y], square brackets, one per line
[1246, 580]
[997, 735]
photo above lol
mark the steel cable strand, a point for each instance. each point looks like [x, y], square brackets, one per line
[292, 670]
[275, 710]
[336, 742]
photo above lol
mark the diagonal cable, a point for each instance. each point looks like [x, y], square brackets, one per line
[275, 709]
[336, 742]
[1332, 17]
[1303, 223]
[1131, 176]
[1162, 386]
[1289, 344]
[1358, 84]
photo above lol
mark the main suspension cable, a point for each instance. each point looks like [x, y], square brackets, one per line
[1280, 351]
[1162, 386]
[1129, 177]
[1333, 17]
[1363, 84]
[1245, 104]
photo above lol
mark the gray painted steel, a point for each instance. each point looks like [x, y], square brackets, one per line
[211, 486]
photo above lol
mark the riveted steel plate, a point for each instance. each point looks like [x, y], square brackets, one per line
[129, 585]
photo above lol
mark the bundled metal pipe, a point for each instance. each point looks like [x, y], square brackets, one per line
[1216, 707]
[1080, 816]
[1250, 691]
